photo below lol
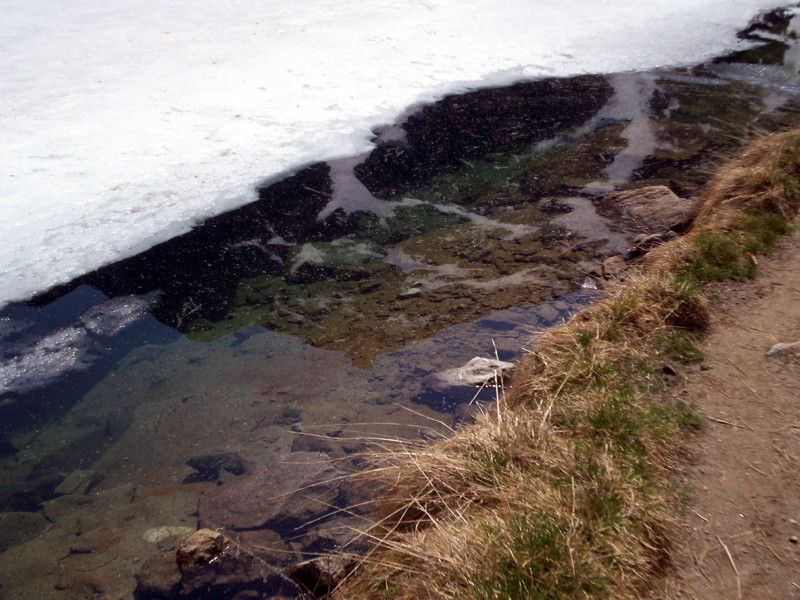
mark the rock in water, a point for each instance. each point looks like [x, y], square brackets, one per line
[479, 371]
[159, 576]
[644, 242]
[78, 482]
[285, 492]
[206, 565]
[30, 495]
[654, 209]
[613, 266]
[213, 566]
[320, 575]
[308, 442]
[156, 535]
[201, 548]
[208, 466]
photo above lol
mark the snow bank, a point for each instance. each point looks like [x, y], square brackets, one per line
[125, 121]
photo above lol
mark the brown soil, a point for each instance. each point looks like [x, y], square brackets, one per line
[740, 528]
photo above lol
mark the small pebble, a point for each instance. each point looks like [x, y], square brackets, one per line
[794, 539]
[414, 291]
[80, 548]
[668, 369]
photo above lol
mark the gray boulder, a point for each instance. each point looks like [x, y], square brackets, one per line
[654, 209]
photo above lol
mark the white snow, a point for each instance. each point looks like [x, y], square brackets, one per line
[122, 122]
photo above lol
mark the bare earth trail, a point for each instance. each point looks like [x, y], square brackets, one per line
[741, 527]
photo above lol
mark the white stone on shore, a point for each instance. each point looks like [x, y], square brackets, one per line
[782, 348]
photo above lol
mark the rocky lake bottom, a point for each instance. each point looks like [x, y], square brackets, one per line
[207, 381]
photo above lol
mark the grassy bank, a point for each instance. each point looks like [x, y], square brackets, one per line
[563, 489]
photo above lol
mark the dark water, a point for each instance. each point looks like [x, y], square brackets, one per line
[317, 318]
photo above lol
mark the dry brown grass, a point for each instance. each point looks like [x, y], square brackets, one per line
[560, 490]
[464, 509]
[764, 178]
[551, 493]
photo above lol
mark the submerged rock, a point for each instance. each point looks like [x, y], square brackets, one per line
[159, 576]
[479, 371]
[30, 495]
[287, 509]
[201, 548]
[286, 492]
[61, 507]
[18, 527]
[208, 466]
[78, 482]
[321, 575]
[466, 412]
[206, 565]
[155, 535]
[307, 442]
[338, 534]
[644, 242]
[613, 266]
[213, 566]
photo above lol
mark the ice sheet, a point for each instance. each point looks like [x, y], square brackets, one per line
[123, 122]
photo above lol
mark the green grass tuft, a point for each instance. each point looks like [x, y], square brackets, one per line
[527, 561]
[677, 345]
[721, 255]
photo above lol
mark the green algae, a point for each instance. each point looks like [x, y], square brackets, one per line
[482, 237]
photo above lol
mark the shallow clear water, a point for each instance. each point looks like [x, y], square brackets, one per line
[133, 402]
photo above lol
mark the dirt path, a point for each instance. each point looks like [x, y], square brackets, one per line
[744, 514]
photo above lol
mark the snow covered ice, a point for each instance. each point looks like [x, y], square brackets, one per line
[124, 122]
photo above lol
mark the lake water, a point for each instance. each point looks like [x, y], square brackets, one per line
[317, 318]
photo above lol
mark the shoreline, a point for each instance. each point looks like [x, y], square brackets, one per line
[90, 154]
[470, 233]
[566, 490]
